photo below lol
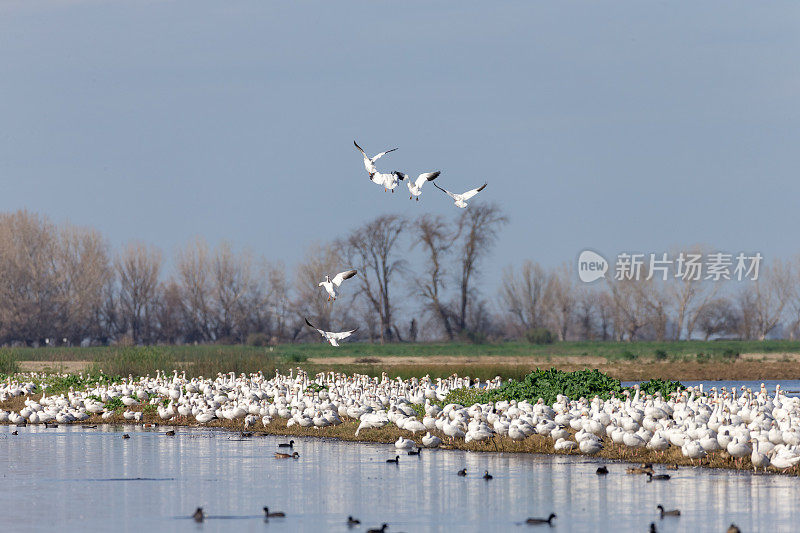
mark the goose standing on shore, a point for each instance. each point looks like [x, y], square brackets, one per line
[331, 336]
[329, 283]
[461, 199]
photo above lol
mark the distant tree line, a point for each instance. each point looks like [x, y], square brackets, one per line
[417, 280]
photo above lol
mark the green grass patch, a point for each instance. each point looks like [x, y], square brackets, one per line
[302, 351]
[8, 362]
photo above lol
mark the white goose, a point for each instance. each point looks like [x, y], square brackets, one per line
[759, 460]
[431, 441]
[415, 187]
[337, 280]
[461, 199]
[330, 336]
[369, 162]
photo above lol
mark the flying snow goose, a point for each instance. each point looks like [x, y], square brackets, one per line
[330, 336]
[460, 199]
[415, 186]
[369, 162]
[337, 280]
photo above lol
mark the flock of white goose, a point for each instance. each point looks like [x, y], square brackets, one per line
[756, 425]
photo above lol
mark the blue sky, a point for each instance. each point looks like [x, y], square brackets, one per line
[610, 125]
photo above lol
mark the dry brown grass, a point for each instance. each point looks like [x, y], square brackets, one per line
[389, 434]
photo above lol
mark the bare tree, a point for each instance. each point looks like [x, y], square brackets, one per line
[767, 297]
[29, 278]
[232, 282]
[84, 268]
[193, 271]
[586, 304]
[169, 313]
[716, 317]
[522, 296]
[435, 236]
[478, 227]
[631, 311]
[560, 295]
[139, 267]
[688, 293]
[373, 249]
[605, 314]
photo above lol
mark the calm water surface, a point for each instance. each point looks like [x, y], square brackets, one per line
[93, 480]
[791, 387]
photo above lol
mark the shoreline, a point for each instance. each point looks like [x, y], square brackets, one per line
[535, 444]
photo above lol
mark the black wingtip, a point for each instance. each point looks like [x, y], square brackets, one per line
[310, 324]
[483, 187]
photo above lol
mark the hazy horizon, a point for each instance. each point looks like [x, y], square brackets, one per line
[615, 127]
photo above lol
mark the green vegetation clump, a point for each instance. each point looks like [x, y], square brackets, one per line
[656, 386]
[539, 336]
[316, 387]
[661, 355]
[548, 384]
[8, 362]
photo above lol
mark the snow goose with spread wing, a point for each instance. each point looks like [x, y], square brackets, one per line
[461, 199]
[330, 336]
[415, 186]
[337, 280]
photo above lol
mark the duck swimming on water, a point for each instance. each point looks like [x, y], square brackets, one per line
[277, 514]
[462, 472]
[396, 460]
[548, 520]
[289, 444]
[279, 455]
[198, 515]
[672, 512]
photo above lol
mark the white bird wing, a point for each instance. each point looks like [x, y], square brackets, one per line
[378, 156]
[469, 194]
[428, 176]
[343, 334]
[448, 193]
[341, 276]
